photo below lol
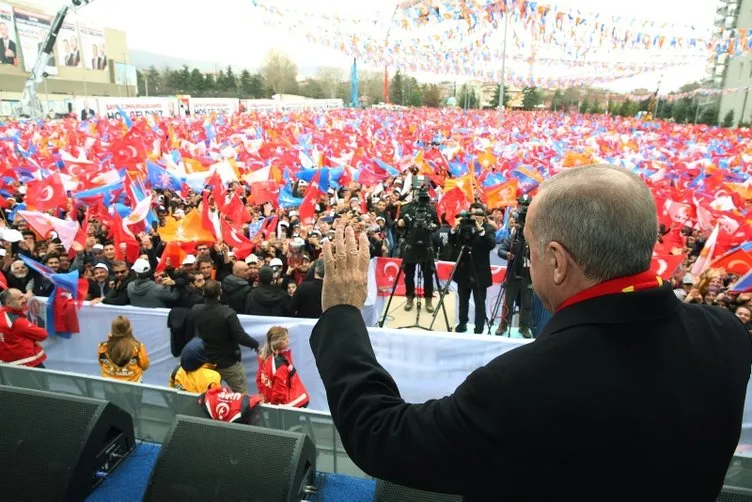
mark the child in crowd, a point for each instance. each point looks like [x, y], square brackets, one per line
[194, 373]
[122, 357]
[277, 379]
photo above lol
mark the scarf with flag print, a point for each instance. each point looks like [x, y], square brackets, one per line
[630, 284]
[68, 292]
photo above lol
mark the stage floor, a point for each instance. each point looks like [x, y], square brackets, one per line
[398, 318]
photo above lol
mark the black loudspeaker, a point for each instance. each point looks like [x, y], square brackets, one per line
[389, 492]
[732, 494]
[58, 447]
[202, 459]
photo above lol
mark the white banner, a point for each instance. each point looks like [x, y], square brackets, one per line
[134, 107]
[32, 31]
[207, 106]
[8, 42]
[92, 43]
[424, 365]
[68, 46]
[268, 105]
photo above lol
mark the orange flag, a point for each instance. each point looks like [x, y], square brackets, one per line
[464, 183]
[502, 195]
[187, 229]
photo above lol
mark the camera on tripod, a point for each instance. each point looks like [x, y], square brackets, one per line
[466, 228]
[420, 221]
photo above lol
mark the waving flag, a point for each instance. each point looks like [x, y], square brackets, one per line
[707, 254]
[188, 229]
[451, 204]
[162, 178]
[502, 195]
[464, 183]
[737, 261]
[67, 294]
[137, 218]
[47, 194]
[308, 206]
[43, 224]
[107, 194]
[232, 237]
[287, 200]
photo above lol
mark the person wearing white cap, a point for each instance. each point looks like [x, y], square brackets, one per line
[144, 292]
[99, 286]
[189, 263]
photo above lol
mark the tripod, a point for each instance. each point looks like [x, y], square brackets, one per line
[445, 290]
[519, 250]
[418, 303]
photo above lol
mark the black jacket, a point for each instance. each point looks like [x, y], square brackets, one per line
[516, 245]
[235, 292]
[182, 328]
[268, 300]
[633, 396]
[219, 327]
[188, 296]
[306, 302]
[119, 294]
[480, 265]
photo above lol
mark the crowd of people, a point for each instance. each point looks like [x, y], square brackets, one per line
[274, 267]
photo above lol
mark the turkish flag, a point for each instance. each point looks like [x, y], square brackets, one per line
[237, 212]
[265, 191]
[308, 206]
[46, 195]
[666, 265]
[231, 236]
[387, 268]
[451, 204]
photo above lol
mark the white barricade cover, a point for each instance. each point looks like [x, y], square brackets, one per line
[424, 365]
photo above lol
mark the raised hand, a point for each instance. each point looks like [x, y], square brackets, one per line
[346, 270]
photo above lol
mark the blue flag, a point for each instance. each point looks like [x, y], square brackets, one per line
[67, 282]
[126, 119]
[162, 178]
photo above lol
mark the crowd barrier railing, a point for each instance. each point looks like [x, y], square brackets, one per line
[154, 408]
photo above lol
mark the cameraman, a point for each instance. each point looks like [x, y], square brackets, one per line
[518, 286]
[473, 273]
[417, 225]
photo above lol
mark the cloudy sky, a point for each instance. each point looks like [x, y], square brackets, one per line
[232, 31]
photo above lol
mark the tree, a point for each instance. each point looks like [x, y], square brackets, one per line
[396, 89]
[709, 115]
[196, 83]
[279, 72]
[585, 106]
[329, 79]
[467, 98]
[210, 84]
[728, 119]
[184, 79]
[595, 107]
[371, 87]
[432, 95]
[152, 81]
[221, 81]
[231, 82]
[140, 83]
[531, 98]
[312, 88]
[628, 108]
[495, 97]
[557, 101]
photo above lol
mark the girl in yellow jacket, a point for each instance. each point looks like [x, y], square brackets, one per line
[122, 357]
[194, 373]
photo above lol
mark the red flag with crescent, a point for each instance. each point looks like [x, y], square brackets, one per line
[46, 195]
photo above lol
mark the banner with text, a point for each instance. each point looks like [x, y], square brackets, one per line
[32, 31]
[207, 106]
[92, 43]
[68, 46]
[134, 107]
[8, 41]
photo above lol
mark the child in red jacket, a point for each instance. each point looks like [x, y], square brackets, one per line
[277, 379]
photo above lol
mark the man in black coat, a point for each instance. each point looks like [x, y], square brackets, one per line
[118, 292]
[219, 327]
[306, 302]
[627, 394]
[517, 285]
[473, 274]
[236, 288]
[268, 299]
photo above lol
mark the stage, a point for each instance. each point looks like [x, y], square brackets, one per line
[128, 483]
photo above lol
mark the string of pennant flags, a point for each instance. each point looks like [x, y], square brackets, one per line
[689, 94]
[435, 37]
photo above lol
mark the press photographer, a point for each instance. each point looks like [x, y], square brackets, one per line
[517, 284]
[417, 226]
[472, 239]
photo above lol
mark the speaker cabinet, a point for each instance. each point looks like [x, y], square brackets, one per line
[390, 492]
[58, 447]
[203, 459]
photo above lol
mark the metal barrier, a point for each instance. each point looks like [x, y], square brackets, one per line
[154, 408]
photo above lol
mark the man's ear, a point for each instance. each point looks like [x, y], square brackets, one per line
[558, 259]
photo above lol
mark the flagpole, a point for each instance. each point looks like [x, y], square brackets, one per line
[503, 64]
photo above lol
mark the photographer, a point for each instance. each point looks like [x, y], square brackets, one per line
[417, 224]
[473, 273]
[517, 285]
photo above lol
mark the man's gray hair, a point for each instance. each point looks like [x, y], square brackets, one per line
[319, 268]
[603, 215]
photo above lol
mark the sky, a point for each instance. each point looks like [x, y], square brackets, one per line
[233, 31]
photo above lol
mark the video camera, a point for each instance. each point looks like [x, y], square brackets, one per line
[523, 203]
[466, 228]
